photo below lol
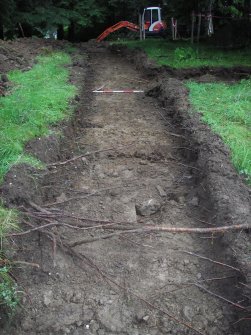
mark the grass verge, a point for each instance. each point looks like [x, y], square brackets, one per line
[226, 108]
[39, 98]
[181, 54]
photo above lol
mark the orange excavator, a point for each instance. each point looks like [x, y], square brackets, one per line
[151, 24]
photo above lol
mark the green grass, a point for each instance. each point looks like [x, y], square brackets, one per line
[9, 297]
[39, 99]
[227, 109]
[181, 54]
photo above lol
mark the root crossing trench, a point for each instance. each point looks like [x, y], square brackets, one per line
[142, 283]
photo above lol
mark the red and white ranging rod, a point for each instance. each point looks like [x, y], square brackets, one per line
[117, 91]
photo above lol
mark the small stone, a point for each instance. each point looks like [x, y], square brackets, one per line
[199, 276]
[212, 331]
[48, 298]
[143, 163]
[3, 58]
[188, 313]
[88, 314]
[181, 199]
[27, 324]
[186, 262]
[61, 198]
[146, 318]
[148, 207]
[114, 193]
[162, 193]
[194, 201]
[84, 160]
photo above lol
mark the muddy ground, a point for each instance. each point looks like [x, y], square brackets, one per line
[147, 163]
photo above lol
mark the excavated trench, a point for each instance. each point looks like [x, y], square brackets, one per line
[142, 168]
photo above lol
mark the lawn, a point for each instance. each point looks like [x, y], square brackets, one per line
[227, 109]
[182, 54]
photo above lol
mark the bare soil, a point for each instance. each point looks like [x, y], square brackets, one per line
[111, 281]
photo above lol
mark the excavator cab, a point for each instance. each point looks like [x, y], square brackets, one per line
[152, 21]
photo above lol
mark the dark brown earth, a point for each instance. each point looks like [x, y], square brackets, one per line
[115, 282]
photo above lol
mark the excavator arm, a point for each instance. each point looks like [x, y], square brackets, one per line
[117, 26]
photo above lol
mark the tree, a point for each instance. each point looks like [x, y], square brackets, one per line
[42, 15]
[6, 15]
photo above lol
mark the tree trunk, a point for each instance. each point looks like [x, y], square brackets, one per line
[26, 30]
[199, 28]
[71, 32]
[60, 32]
[211, 2]
[192, 29]
[1, 31]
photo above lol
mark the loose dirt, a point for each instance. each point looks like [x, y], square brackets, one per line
[118, 282]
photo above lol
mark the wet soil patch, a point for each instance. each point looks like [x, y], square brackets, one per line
[163, 163]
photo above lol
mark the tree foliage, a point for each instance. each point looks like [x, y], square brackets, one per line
[235, 8]
[42, 15]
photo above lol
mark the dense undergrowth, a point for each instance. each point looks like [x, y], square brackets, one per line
[227, 109]
[181, 54]
[39, 98]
